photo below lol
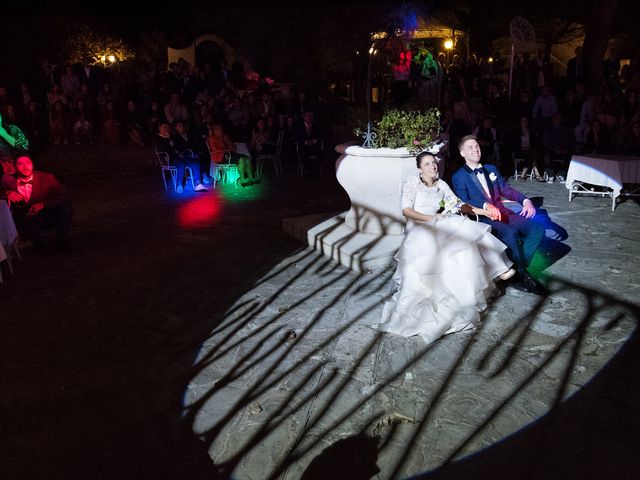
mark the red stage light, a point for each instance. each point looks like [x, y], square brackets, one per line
[199, 211]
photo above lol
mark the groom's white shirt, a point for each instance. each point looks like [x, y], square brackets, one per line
[483, 181]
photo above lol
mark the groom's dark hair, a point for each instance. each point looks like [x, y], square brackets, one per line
[464, 139]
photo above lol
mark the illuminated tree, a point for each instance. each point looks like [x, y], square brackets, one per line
[100, 48]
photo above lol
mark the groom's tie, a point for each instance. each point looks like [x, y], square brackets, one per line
[486, 185]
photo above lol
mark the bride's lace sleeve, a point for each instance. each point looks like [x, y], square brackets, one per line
[452, 198]
[446, 189]
[409, 189]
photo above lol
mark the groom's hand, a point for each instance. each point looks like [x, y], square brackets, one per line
[494, 213]
[528, 210]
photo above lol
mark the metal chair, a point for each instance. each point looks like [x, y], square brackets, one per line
[165, 166]
[274, 157]
[300, 162]
[516, 163]
[223, 172]
[555, 167]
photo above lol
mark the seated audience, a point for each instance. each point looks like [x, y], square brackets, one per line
[82, 124]
[204, 98]
[631, 143]
[497, 104]
[103, 98]
[59, 124]
[223, 150]
[36, 126]
[24, 98]
[70, 82]
[289, 139]
[154, 118]
[598, 139]
[202, 113]
[544, 108]
[558, 143]
[274, 130]
[525, 146]
[310, 145]
[487, 136]
[630, 107]
[238, 119]
[522, 106]
[265, 107]
[607, 110]
[88, 97]
[11, 115]
[571, 108]
[187, 145]
[175, 111]
[133, 124]
[259, 136]
[56, 95]
[111, 124]
[164, 143]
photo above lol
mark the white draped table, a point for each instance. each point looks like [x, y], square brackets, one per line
[609, 171]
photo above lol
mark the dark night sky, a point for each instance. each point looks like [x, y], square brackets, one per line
[24, 24]
[132, 16]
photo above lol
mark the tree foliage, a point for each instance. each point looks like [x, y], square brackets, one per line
[87, 43]
[152, 48]
[598, 30]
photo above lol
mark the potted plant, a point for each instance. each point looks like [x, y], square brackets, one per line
[373, 175]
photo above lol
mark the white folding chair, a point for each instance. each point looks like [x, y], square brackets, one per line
[516, 163]
[223, 172]
[301, 163]
[165, 166]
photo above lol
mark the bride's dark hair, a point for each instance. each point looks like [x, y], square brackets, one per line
[421, 155]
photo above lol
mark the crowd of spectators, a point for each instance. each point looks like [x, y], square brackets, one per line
[198, 113]
[550, 117]
[547, 119]
[87, 104]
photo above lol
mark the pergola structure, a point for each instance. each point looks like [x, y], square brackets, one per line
[427, 30]
[189, 52]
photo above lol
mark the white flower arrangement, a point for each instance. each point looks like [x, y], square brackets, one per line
[451, 205]
[493, 176]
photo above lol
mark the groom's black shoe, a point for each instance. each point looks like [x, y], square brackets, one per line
[526, 283]
[534, 286]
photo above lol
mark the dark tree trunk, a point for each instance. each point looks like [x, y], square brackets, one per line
[597, 33]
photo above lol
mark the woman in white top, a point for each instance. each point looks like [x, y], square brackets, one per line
[447, 262]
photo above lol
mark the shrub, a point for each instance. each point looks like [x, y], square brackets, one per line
[413, 129]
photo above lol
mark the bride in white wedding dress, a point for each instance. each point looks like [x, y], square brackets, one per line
[447, 262]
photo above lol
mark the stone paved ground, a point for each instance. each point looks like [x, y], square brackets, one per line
[188, 337]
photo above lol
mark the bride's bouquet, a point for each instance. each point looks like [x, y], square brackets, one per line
[450, 205]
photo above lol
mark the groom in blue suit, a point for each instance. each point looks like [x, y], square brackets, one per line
[483, 187]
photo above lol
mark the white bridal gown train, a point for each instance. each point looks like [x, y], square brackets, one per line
[445, 269]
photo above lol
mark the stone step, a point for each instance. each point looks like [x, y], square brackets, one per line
[361, 252]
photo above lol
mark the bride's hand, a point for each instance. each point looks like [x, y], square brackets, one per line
[493, 213]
